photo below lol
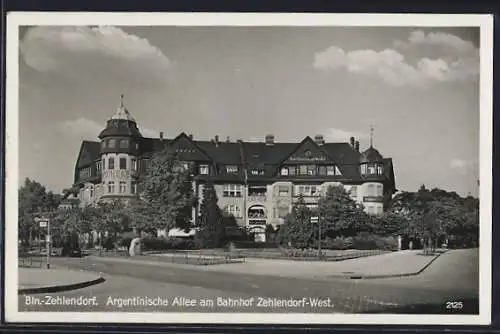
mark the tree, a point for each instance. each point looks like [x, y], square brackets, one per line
[34, 200]
[433, 214]
[297, 229]
[340, 215]
[211, 231]
[167, 188]
[139, 214]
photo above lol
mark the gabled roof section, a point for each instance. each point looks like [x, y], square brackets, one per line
[89, 152]
[192, 150]
[307, 150]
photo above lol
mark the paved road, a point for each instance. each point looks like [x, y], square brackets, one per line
[452, 277]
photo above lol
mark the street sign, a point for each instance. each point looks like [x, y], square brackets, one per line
[43, 223]
[314, 220]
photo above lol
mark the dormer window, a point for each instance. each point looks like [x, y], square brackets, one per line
[232, 169]
[204, 169]
[284, 171]
[380, 169]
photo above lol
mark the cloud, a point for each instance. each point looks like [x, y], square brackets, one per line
[88, 129]
[340, 135]
[97, 52]
[463, 166]
[461, 62]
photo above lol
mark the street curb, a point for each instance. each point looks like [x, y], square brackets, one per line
[357, 277]
[60, 288]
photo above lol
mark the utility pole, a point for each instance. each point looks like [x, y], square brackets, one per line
[45, 222]
[315, 220]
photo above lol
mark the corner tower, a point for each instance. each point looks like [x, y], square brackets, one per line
[373, 175]
[120, 143]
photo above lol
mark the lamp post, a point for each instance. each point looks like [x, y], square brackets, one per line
[45, 222]
[315, 220]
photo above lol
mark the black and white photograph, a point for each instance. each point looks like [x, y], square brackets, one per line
[248, 168]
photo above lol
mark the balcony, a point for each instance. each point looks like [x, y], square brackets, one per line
[257, 198]
[373, 199]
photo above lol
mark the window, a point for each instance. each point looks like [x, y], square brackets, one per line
[103, 144]
[322, 170]
[371, 190]
[371, 169]
[380, 170]
[111, 187]
[91, 190]
[232, 169]
[204, 169]
[311, 170]
[98, 166]
[133, 188]
[111, 143]
[380, 190]
[337, 171]
[283, 211]
[133, 162]
[307, 153]
[111, 163]
[354, 191]
[303, 169]
[233, 210]
[307, 190]
[257, 172]
[232, 190]
[363, 169]
[123, 163]
[283, 191]
[123, 187]
[124, 143]
[284, 171]
[330, 170]
[291, 170]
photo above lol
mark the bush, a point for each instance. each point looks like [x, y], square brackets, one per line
[158, 244]
[366, 241]
[337, 243]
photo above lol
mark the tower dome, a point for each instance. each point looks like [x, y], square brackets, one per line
[123, 113]
[122, 123]
[370, 155]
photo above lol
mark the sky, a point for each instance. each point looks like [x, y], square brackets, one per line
[417, 87]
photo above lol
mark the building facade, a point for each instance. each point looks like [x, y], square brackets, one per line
[256, 182]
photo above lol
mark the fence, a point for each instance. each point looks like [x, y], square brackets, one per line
[30, 260]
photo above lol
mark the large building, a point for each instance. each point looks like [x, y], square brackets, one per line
[257, 182]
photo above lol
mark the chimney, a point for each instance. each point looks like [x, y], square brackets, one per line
[228, 139]
[319, 140]
[216, 140]
[191, 137]
[356, 145]
[161, 135]
[269, 140]
[352, 141]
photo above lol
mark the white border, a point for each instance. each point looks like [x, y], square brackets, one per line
[16, 19]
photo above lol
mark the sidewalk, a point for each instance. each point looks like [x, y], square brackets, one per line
[40, 280]
[395, 264]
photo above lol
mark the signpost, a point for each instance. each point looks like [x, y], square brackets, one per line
[315, 220]
[45, 222]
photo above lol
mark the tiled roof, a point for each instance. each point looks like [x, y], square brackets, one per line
[89, 151]
[256, 155]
